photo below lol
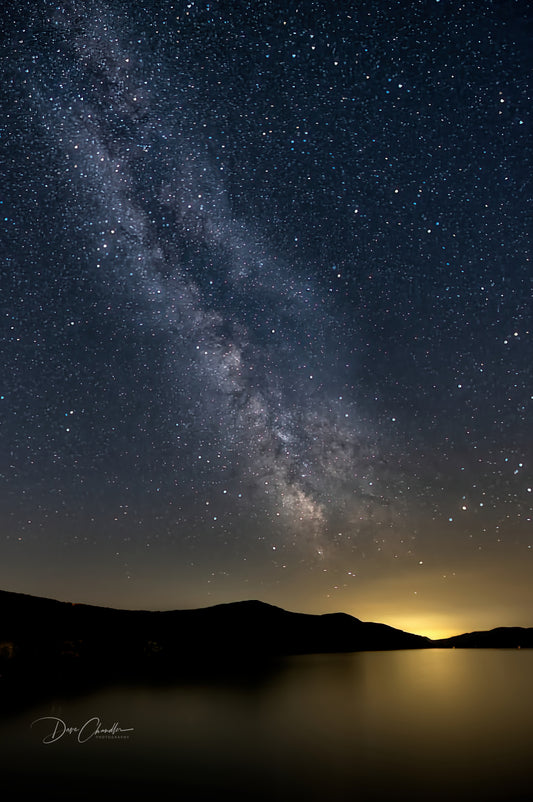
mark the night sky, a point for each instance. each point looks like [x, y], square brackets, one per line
[266, 307]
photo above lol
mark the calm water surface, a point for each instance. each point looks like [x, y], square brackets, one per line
[413, 725]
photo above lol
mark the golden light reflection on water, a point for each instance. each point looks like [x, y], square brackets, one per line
[410, 725]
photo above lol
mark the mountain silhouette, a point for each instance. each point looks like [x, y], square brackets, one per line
[499, 638]
[49, 642]
[37, 626]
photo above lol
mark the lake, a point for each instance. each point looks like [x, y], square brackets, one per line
[403, 725]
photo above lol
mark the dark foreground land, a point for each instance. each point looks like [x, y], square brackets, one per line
[46, 643]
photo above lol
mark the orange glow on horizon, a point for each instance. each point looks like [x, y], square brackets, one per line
[433, 627]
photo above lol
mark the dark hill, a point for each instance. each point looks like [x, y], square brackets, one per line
[44, 635]
[43, 641]
[500, 638]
